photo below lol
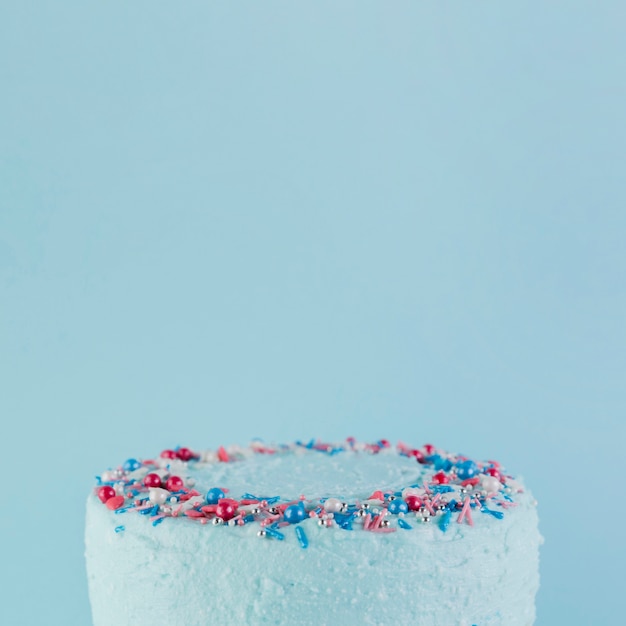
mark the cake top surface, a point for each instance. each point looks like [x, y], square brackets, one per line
[350, 486]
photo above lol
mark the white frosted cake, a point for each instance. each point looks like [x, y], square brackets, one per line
[311, 533]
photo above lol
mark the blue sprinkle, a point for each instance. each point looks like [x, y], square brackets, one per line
[439, 462]
[302, 538]
[466, 469]
[119, 529]
[151, 511]
[398, 506]
[344, 521]
[248, 518]
[445, 521]
[404, 524]
[496, 514]
[295, 513]
[131, 465]
[157, 521]
[272, 532]
[123, 510]
[214, 495]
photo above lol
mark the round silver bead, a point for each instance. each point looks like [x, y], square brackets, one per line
[216, 521]
[261, 533]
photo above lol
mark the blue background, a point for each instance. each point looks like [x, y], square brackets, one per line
[287, 220]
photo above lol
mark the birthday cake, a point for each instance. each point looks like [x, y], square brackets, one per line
[311, 533]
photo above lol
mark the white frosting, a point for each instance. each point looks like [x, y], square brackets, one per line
[184, 573]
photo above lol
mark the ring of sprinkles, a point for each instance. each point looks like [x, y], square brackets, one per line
[453, 488]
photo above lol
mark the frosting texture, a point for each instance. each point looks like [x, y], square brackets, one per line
[312, 533]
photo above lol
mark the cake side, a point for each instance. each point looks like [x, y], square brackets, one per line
[183, 571]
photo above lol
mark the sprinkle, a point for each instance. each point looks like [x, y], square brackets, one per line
[119, 529]
[132, 486]
[496, 514]
[222, 455]
[274, 533]
[465, 513]
[115, 502]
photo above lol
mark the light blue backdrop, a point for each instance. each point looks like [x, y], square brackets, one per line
[287, 220]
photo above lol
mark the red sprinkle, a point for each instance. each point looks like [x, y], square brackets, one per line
[184, 454]
[174, 483]
[152, 480]
[226, 508]
[106, 493]
[413, 502]
[440, 478]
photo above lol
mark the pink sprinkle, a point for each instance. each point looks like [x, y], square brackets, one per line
[177, 510]
[465, 512]
[366, 521]
[193, 513]
[377, 495]
[429, 505]
[377, 520]
[383, 530]
[222, 455]
[115, 502]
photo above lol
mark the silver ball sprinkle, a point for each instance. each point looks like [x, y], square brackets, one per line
[216, 521]
[385, 523]
[273, 510]
[391, 498]
[365, 506]
[261, 533]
